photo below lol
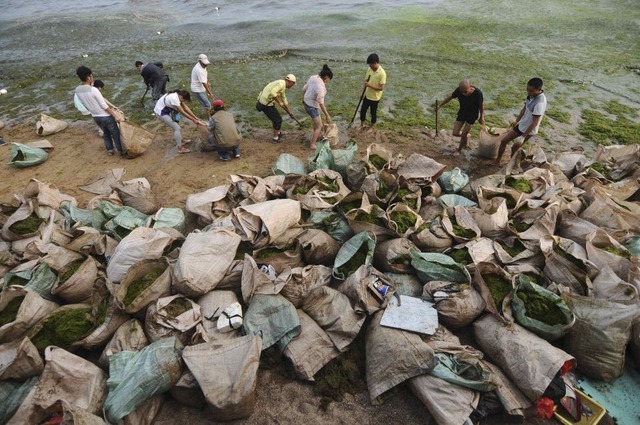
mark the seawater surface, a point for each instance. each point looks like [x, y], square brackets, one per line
[586, 52]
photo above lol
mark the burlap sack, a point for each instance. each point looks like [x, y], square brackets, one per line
[489, 141]
[420, 170]
[72, 379]
[146, 413]
[370, 218]
[333, 312]
[311, 350]
[264, 222]
[203, 261]
[210, 204]
[230, 388]
[449, 404]
[359, 288]
[393, 356]
[566, 264]
[139, 288]
[612, 215]
[128, 337]
[141, 244]
[108, 318]
[458, 304]
[393, 256]
[135, 139]
[300, 281]
[256, 280]
[24, 223]
[380, 187]
[605, 251]
[492, 218]
[539, 222]
[460, 225]
[47, 125]
[403, 220]
[280, 257]
[32, 309]
[212, 304]
[318, 247]
[432, 236]
[77, 288]
[172, 315]
[493, 291]
[137, 193]
[19, 359]
[508, 345]
[599, 337]
[187, 391]
[608, 286]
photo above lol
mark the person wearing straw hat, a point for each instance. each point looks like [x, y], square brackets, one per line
[471, 109]
[272, 94]
[200, 86]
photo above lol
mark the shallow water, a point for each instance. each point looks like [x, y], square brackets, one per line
[585, 52]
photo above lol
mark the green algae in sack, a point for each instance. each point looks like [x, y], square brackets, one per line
[17, 280]
[520, 184]
[63, 329]
[244, 248]
[404, 219]
[178, 306]
[369, 218]
[576, 262]
[329, 184]
[514, 250]
[511, 203]
[10, 311]
[599, 167]
[377, 161]
[101, 312]
[460, 256]
[70, 270]
[461, 231]
[137, 286]
[30, 224]
[345, 207]
[383, 190]
[270, 252]
[400, 197]
[498, 287]
[612, 250]
[357, 260]
[520, 225]
[541, 309]
[303, 189]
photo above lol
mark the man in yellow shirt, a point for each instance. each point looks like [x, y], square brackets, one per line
[375, 78]
[273, 93]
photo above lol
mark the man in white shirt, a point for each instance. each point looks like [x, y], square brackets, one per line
[104, 115]
[200, 86]
[528, 121]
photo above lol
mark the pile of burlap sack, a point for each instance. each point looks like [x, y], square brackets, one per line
[106, 308]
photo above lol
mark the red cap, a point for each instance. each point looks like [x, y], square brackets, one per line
[218, 103]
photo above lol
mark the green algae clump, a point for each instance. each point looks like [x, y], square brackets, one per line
[400, 197]
[520, 184]
[270, 252]
[30, 224]
[63, 329]
[70, 270]
[498, 287]
[345, 207]
[377, 161]
[612, 250]
[137, 286]
[178, 306]
[383, 190]
[369, 218]
[405, 220]
[17, 280]
[10, 311]
[541, 309]
[354, 263]
[460, 256]
[514, 250]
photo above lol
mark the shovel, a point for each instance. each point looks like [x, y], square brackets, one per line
[436, 119]
[142, 98]
[358, 107]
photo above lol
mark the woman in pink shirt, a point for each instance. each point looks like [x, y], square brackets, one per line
[314, 93]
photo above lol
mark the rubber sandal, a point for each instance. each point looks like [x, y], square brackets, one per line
[186, 142]
[181, 151]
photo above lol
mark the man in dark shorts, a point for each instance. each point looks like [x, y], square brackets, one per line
[471, 109]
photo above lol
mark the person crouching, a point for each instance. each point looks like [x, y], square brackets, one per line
[224, 137]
